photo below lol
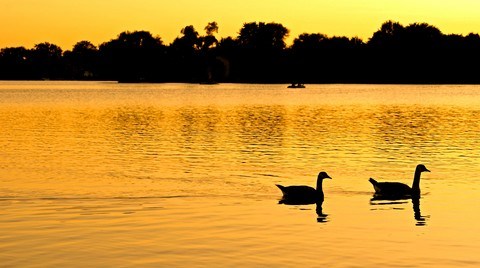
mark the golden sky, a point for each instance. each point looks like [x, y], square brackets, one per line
[65, 22]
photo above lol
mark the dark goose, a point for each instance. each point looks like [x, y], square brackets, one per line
[398, 189]
[302, 194]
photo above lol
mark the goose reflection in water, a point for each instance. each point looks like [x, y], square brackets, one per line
[418, 215]
[397, 200]
[321, 218]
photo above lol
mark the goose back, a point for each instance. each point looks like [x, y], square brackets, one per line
[302, 194]
[391, 188]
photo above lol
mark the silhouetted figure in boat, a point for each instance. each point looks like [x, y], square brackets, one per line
[302, 194]
[399, 190]
[298, 85]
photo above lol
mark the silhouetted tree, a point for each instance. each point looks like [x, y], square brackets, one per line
[189, 42]
[388, 36]
[209, 40]
[83, 60]
[184, 55]
[262, 52]
[14, 63]
[421, 36]
[208, 55]
[459, 57]
[133, 56]
[308, 42]
[47, 61]
[411, 54]
[307, 58]
[211, 28]
[417, 53]
[319, 58]
[228, 52]
[263, 36]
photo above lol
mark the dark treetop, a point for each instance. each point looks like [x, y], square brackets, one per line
[417, 53]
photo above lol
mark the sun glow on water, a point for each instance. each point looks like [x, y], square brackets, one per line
[129, 174]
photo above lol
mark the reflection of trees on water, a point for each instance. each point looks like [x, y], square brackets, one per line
[134, 134]
[193, 131]
[199, 133]
[134, 122]
[408, 126]
[262, 127]
[403, 131]
[198, 123]
[313, 124]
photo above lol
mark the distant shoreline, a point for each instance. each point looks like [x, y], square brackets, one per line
[240, 83]
[418, 53]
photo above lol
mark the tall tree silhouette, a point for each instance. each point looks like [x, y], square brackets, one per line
[184, 55]
[83, 60]
[47, 61]
[209, 39]
[263, 36]
[212, 63]
[421, 36]
[133, 56]
[15, 63]
[319, 58]
[307, 57]
[388, 36]
[262, 51]
[411, 54]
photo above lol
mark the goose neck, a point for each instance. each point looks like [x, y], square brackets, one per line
[319, 185]
[416, 180]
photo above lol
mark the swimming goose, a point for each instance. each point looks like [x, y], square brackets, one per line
[301, 194]
[400, 189]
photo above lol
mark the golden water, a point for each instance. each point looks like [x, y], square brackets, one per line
[178, 175]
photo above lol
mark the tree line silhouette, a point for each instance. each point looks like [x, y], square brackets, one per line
[417, 53]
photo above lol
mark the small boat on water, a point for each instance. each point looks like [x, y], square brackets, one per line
[209, 83]
[298, 85]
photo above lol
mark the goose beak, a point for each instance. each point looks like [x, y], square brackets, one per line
[328, 177]
[426, 170]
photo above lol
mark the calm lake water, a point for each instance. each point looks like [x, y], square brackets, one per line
[99, 174]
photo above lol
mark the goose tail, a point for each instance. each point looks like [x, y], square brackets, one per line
[281, 187]
[375, 185]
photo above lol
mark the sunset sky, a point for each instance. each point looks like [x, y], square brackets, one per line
[28, 22]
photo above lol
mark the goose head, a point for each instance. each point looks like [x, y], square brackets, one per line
[323, 175]
[422, 168]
